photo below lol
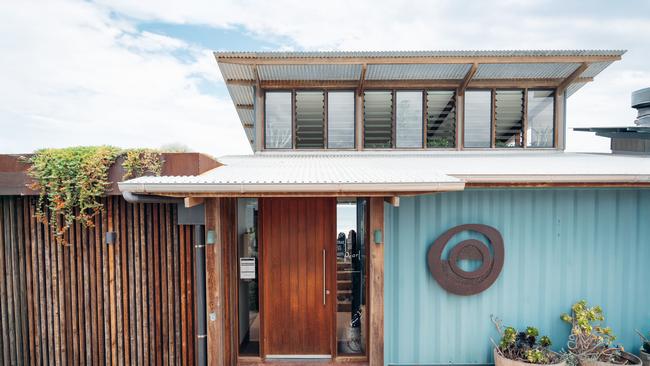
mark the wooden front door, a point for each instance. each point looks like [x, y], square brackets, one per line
[298, 237]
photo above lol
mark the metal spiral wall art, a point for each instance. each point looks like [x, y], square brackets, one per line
[453, 278]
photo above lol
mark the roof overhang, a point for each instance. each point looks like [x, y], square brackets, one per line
[564, 70]
[407, 173]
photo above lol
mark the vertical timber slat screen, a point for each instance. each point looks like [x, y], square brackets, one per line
[89, 303]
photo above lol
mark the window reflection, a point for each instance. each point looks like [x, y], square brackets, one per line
[248, 312]
[351, 314]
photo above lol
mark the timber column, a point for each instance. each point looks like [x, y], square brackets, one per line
[377, 242]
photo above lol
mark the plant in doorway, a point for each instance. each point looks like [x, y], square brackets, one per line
[590, 343]
[523, 347]
[644, 352]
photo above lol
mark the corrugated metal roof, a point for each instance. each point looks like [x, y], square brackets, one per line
[250, 133]
[293, 70]
[241, 94]
[309, 72]
[246, 115]
[417, 71]
[287, 172]
[574, 87]
[525, 71]
[236, 71]
[439, 53]
[392, 171]
[595, 69]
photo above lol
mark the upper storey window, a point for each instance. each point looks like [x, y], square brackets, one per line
[409, 119]
[378, 119]
[478, 117]
[509, 118]
[541, 113]
[441, 118]
[340, 119]
[309, 120]
[278, 121]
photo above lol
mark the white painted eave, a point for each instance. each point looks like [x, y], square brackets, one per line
[153, 188]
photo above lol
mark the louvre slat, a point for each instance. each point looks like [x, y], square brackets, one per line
[509, 115]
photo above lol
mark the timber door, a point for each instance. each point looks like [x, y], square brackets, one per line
[298, 239]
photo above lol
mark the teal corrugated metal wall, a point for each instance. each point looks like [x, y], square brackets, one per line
[560, 246]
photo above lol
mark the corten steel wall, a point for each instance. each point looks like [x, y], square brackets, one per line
[93, 303]
[560, 246]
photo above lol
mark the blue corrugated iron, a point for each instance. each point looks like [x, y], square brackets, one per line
[561, 246]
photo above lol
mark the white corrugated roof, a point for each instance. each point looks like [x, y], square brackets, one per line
[304, 173]
[424, 171]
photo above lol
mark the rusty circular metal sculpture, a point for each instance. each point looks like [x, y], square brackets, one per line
[453, 278]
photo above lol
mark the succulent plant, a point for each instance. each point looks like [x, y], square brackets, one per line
[526, 345]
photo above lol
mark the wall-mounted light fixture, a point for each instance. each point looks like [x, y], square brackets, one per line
[111, 237]
[378, 237]
[210, 237]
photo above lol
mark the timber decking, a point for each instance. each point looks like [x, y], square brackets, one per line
[93, 303]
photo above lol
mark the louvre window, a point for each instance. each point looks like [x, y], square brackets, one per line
[310, 120]
[278, 120]
[540, 131]
[340, 120]
[408, 115]
[378, 119]
[441, 119]
[509, 118]
[478, 118]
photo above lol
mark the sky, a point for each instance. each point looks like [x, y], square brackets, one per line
[142, 73]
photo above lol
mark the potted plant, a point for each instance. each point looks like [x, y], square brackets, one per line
[523, 347]
[590, 343]
[644, 352]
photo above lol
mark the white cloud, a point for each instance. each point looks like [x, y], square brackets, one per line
[450, 24]
[72, 75]
[76, 75]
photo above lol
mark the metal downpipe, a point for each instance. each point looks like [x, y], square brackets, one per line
[201, 327]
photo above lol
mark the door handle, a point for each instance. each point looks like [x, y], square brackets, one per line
[324, 279]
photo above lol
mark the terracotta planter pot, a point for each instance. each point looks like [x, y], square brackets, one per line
[645, 357]
[634, 360]
[502, 361]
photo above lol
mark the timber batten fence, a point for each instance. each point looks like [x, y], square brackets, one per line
[126, 303]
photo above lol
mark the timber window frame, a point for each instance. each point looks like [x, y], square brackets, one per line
[525, 128]
[424, 119]
[294, 119]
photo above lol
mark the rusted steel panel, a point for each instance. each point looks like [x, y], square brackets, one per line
[14, 179]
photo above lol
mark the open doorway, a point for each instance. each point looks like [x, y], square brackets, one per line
[248, 279]
[351, 274]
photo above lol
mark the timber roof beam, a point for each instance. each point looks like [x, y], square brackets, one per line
[467, 79]
[573, 77]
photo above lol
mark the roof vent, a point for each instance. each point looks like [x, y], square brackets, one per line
[641, 102]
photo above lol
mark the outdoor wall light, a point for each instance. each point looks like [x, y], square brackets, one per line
[210, 237]
[378, 236]
[111, 237]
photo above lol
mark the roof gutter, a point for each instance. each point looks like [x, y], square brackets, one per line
[292, 187]
[145, 198]
[550, 179]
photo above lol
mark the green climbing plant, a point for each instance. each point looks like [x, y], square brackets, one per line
[71, 181]
[139, 162]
